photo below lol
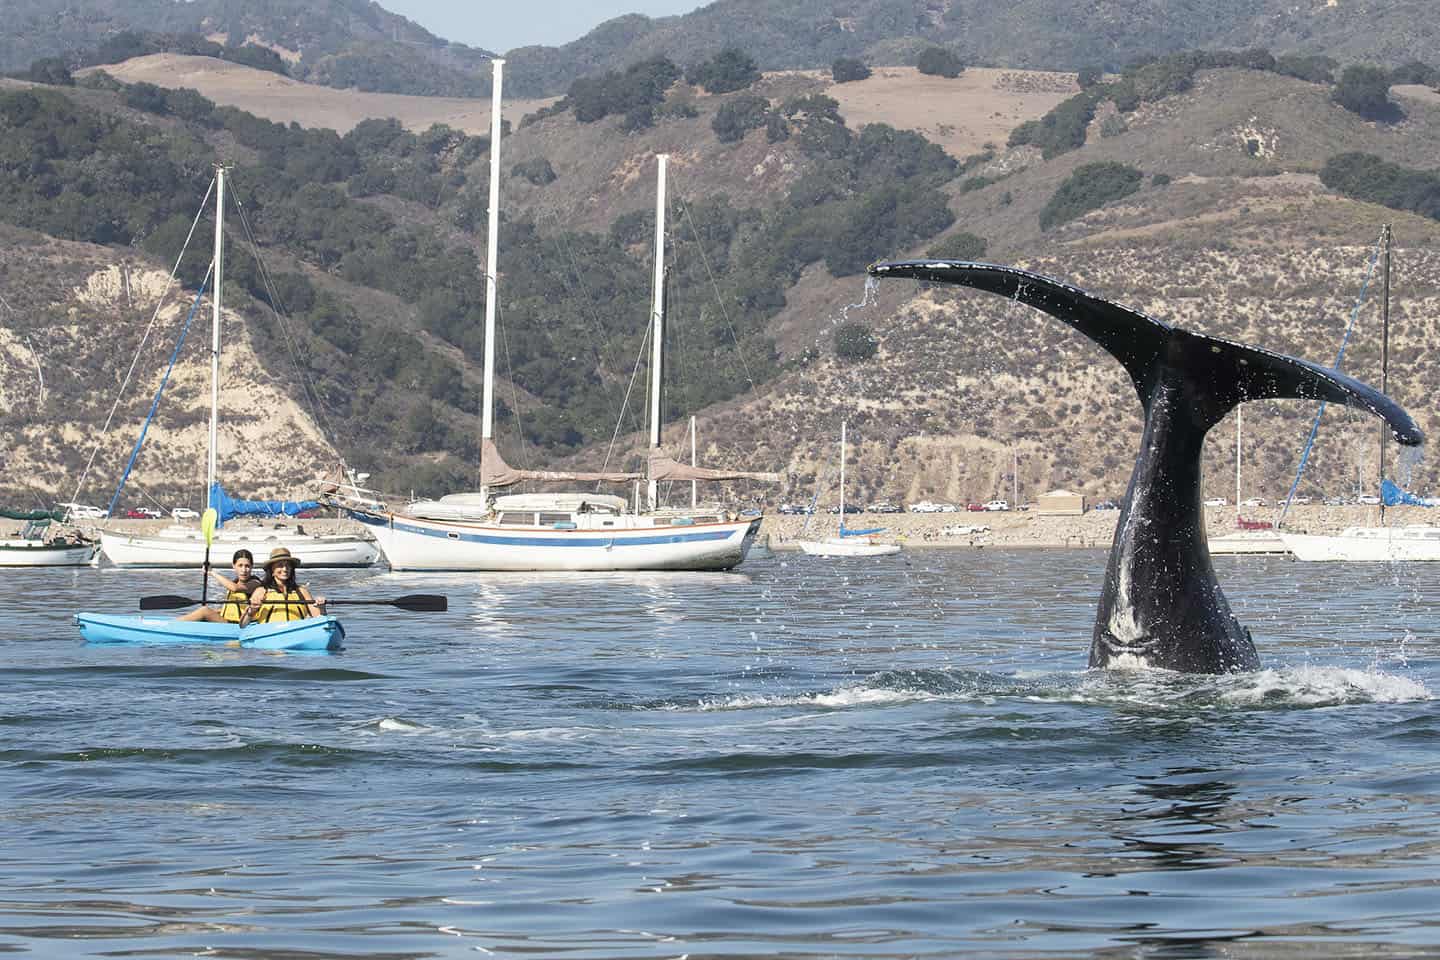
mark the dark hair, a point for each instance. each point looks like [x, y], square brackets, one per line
[270, 582]
[242, 552]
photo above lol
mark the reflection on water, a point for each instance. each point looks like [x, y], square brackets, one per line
[838, 760]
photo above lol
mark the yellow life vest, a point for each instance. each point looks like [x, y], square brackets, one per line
[278, 607]
[234, 605]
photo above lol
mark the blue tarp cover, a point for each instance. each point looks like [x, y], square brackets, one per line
[1393, 496]
[844, 532]
[227, 506]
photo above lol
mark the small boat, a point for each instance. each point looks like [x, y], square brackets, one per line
[837, 547]
[33, 548]
[850, 543]
[314, 633]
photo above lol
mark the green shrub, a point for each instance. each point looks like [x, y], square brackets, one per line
[728, 71]
[1365, 91]
[737, 117]
[854, 343]
[537, 170]
[959, 246]
[939, 62]
[1090, 187]
[848, 70]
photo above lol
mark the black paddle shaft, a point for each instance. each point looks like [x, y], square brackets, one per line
[414, 602]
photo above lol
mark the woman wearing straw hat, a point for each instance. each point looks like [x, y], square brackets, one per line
[281, 596]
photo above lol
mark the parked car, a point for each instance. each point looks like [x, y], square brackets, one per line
[1216, 502]
[1106, 505]
[795, 508]
[849, 508]
[143, 513]
[1259, 502]
[998, 505]
[82, 511]
[1301, 501]
[975, 507]
[184, 513]
[884, 506]
[932, 506]
[1368, 500]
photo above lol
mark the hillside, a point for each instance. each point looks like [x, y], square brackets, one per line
[358, 44]
[1243, 241]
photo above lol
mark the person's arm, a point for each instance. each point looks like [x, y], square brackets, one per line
[224, 581]
[253, 607]
[317, 605]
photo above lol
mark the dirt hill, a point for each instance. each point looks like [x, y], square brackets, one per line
[1243, 241]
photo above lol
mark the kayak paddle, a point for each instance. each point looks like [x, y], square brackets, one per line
[207, 527]
[414, 602]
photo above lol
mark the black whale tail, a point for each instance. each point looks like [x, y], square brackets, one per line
[1161, 605]
[1218, 374]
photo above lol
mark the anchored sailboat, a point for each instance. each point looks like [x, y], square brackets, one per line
[1375, 543]
[848, 543]
[572, 530]
[182, 546]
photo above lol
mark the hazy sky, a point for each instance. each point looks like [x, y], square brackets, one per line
[503, 25]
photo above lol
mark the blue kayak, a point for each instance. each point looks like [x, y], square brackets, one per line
[314, 633]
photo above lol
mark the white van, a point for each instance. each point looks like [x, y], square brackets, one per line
[81, 511]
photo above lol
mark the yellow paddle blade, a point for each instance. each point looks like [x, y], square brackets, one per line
[207, 524]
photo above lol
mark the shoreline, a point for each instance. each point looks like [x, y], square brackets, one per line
[1094, 529]
[1091, 530]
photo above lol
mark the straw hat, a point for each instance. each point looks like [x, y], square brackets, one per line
[279, 554]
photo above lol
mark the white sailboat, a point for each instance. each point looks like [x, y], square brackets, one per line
[848, 543]
[570, 531]
[183, 546]
[1372, 544]
[1261, 539]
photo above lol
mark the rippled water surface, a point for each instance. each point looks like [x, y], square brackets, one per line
[888, 758]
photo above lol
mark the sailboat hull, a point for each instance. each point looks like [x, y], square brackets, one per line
[183, 547]
[415, 544]
[838, 547]
[1367, 545]
[41, 553]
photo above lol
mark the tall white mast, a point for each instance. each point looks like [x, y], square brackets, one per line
[657, 318]
[219, 275]
[842, 477]
[1237, 461]
[694, 484]
[492, 251]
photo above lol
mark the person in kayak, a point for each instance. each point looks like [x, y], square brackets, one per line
[237, 591]
[281, 596]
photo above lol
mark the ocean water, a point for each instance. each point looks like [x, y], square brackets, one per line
[891, 758]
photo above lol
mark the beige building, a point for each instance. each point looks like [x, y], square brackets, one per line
[1060, 503]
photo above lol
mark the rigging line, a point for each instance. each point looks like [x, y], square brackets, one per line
[312, 395]
[715, 286]
[588, 299]
[579, 277]
[525, 463]
[1344, 341]
[634, 375]
[155, 403]
[144, 339]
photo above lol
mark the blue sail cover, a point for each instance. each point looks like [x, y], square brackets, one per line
[226, 506]
[844, 532]
[1393, 496]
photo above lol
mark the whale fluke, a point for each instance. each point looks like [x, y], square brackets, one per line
[1161, 605]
